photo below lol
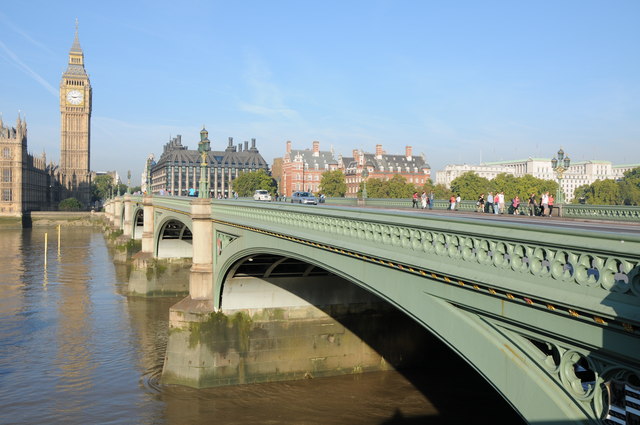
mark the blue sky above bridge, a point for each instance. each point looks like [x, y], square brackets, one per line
[460, 81]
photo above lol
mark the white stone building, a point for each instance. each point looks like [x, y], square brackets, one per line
[488, 171]
[578, 174]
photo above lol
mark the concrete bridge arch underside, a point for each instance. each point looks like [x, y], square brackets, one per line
[546, 375]
[173, 237]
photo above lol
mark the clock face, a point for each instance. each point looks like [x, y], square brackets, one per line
[74, 97]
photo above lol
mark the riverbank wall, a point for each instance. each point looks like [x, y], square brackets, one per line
[52, 218]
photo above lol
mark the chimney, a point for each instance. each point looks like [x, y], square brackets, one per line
[246, 144]
[409, 153]
[288, 146]
[240, 147]
[379, 151]
[355, 155]
[316, 148]
[230, 141]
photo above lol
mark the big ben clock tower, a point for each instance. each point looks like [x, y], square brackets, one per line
[75, 127]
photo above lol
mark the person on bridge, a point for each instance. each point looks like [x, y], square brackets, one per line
[533, 205]
[550, 205]
[431, 197]
[516, 205]
[423, 200]
[501, 202]
[414, 200]
[544, 202]
[490, 201]
[480, 203]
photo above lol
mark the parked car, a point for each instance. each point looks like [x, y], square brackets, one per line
[261, 195]
[303, 198]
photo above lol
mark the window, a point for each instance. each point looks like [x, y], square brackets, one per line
[6, 175]
[6, 153]
[6, 195]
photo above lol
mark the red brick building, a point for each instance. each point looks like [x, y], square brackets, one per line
[303, 169]
[383, 166]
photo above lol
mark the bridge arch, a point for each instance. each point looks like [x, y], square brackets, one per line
[492, 350]
[174, 239]
[138, 223]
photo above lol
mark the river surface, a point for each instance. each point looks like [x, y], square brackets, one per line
[74, 349]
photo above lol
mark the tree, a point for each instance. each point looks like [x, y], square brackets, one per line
[630, 187]
[247, 183]
[395, 187]
[70, 204]
[527, 184]
[469, 185]
[600, 192]
[101, 187]
[333, 183]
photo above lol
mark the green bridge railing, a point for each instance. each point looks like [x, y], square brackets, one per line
[594, 212]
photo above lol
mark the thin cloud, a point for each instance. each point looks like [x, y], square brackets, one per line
[27, 70]
[268, 98]
[7, 23]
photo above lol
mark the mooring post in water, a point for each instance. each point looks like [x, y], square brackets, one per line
[59, 240]
[46, 242]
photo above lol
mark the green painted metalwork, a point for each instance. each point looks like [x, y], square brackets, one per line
[602, 212]
[526, 305]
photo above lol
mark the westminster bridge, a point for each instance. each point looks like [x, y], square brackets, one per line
[548, 314]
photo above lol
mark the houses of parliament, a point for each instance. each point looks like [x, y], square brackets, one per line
[28, 182]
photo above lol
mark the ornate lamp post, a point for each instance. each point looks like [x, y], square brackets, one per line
[149, 192]
[204, 146]
[560, 164]
[365, 174]
[129, 182]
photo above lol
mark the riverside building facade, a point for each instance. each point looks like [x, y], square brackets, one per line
[579, 173]
[178, 168]
[384, 166]
[302, 169]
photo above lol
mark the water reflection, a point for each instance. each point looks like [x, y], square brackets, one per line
[79, 351]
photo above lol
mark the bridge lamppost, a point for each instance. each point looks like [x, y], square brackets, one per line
[148, 191]
[129, 182]
[365, 174]
[204, 146]
[560, 164]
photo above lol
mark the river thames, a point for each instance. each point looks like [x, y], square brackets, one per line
[75, 349]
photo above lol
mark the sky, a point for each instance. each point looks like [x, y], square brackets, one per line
[459, 81]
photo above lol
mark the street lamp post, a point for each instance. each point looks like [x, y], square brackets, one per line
[149, 192]
[560, 164]
[129, 182]
[204, 146]
[365, 174]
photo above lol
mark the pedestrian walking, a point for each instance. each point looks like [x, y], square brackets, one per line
[431, 197]
[415, 200]
[516, 205]
[501, 202]
[490, 202]
[423, 200]
[480, 203]
[533, 205]
[550, 205]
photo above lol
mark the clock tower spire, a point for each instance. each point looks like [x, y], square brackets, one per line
[75, 127]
